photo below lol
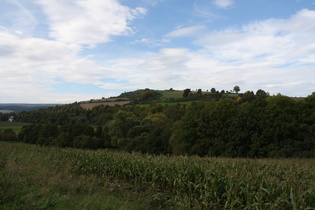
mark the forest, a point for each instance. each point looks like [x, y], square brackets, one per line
[250, 125]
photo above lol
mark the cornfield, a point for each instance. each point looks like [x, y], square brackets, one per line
[199, 183]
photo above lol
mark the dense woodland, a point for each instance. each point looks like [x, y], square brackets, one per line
[251, 125]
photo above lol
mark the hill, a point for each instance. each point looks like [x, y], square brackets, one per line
[147, 97]
[20, 107]
[204, 124]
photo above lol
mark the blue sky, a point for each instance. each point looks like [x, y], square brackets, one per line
[56, 51]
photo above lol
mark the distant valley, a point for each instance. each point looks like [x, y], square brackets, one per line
[20, 107]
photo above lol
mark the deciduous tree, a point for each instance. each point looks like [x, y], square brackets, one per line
[236, 89]
[186, 92]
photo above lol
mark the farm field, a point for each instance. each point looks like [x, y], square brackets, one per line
[41, 177]
[166, 96]
[168, 103]
[110, 103]
[172, 94]
[174, 103]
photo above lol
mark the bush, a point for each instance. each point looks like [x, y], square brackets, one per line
[87, 142]
[63, 140]
[8, 134]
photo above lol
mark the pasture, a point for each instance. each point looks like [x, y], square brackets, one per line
[15, 126]
[172, 94]
[109, 103]
[167, 103]
[174, 103]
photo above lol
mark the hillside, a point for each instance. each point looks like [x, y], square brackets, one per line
[150, 96]
[204, 124]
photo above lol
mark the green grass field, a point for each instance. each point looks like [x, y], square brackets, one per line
[174, 103]
[232, 95]
[36, 177]
[172, 94]
[16, 129]
[168, 103]
[15, 126]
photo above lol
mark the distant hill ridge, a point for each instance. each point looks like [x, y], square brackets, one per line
[140, 96]
[20, 107]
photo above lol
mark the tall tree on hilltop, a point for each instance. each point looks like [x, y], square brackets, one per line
[186, 92]
[261, 92]
[236, 89]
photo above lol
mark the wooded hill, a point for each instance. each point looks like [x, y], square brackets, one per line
[147, 97]
[194, 123]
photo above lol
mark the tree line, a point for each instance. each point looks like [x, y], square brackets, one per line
[252, 125]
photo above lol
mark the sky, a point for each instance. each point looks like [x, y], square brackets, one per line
[62, 51]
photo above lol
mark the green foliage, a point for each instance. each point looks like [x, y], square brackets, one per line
[172, 95]
[236, 89]
[8, 134]
[43, 178]
[62, 140]
[142, 96]
[232, 125]
[87, 142]
[210, 183]
[266, 127]
[49, 178]
[248, 96]
[186, 92]
[150, 136]
[261, 92]
[118, 128]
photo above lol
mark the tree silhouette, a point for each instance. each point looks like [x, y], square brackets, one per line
[236, 89]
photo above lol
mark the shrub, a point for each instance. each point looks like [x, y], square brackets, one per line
[87, 142]
[8, 134]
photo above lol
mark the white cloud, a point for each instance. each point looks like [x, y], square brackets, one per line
[38, 93]
[168, 59]
[30, 66]
[152, 70]
[89, 22]
[223, 3]
[151, 42]
[188, 31]
[276, 55]
[279, 40]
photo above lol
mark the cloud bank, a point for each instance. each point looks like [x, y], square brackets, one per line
[277, 55]
[88, 22]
